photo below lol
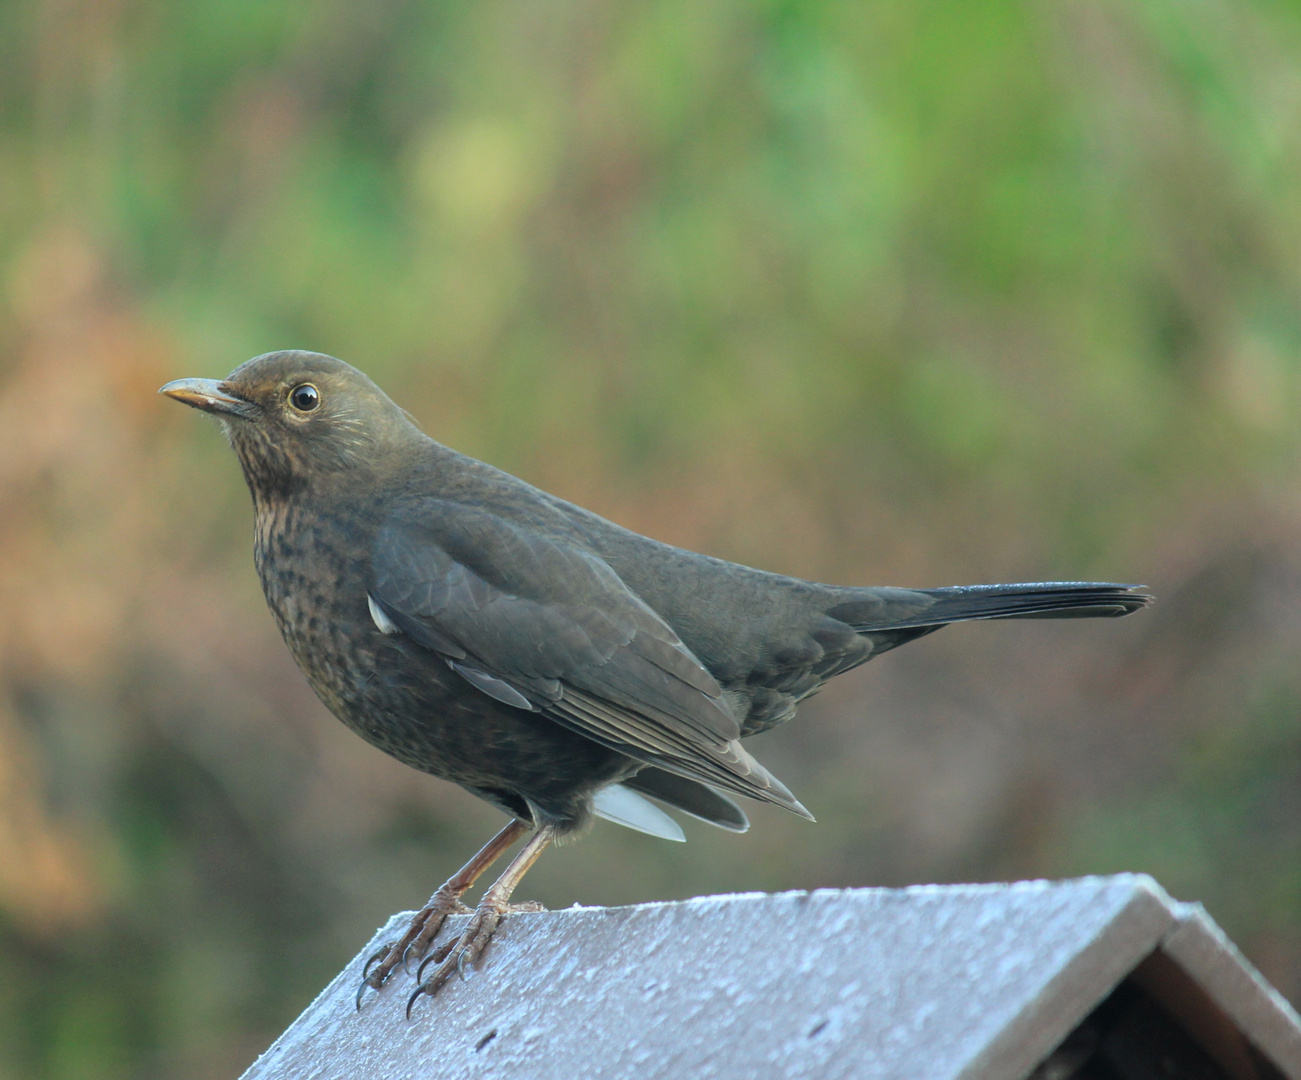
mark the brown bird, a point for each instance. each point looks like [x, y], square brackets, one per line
[545, 659]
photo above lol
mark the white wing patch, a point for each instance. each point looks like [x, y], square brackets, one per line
[383, 623]
[625, 807]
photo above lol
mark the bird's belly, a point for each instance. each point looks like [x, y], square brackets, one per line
[405, 700]
[411, 705]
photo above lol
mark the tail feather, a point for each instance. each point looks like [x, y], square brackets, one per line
[691, 797]
[625, 807]
[1035, 600]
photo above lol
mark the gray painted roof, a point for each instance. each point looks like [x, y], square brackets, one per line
[970, 981]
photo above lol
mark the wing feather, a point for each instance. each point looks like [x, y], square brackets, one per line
[538, 622]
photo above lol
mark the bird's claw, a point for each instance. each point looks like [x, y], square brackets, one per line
[362, 987]
[366, 981]
[416, 949]
[458, 956]
[421, 931]
[374, 958]
[420, 989]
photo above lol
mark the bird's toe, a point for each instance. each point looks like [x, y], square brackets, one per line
[415, 943]
[458, 957]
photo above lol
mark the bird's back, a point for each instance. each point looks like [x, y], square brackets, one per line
[770, 640]
[765, 637]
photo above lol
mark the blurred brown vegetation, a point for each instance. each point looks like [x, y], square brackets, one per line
[905, 292]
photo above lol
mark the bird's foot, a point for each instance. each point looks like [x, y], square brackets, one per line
[421, 931]
[429, 920]
[455, 957]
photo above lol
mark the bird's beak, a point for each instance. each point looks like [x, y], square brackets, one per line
[208, 395]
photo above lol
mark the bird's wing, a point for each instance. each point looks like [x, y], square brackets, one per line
[539, 623]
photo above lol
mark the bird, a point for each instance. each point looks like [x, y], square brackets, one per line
[547, 660]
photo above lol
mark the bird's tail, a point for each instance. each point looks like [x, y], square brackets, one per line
[1035, 600]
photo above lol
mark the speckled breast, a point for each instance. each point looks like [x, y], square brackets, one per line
[397, 695]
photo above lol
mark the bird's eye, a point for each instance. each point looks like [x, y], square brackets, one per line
[304, 397]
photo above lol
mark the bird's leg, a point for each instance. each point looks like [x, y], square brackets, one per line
[424, 927]
[494, 905]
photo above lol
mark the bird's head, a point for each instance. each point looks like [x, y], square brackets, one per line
[292, 416]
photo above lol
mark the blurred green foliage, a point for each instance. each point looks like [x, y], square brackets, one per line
[906, 291]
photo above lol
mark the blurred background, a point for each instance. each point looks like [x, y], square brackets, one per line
[910, 292]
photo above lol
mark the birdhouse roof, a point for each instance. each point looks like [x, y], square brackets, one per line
[935, 982]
